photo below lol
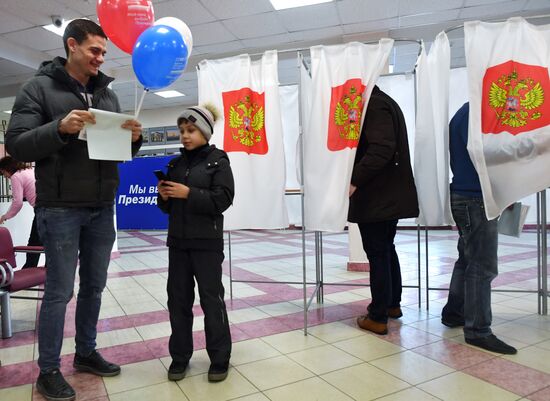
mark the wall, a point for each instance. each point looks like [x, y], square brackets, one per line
[159, 117]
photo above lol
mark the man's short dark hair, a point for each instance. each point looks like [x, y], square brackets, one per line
[80, 29]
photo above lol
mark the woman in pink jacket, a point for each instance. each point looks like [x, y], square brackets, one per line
[22, 188]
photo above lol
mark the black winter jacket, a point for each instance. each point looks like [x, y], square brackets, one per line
[211, 189]
[65, 175]
[382, 169]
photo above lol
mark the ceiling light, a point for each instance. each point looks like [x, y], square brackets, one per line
[58, 29]
[7, 111]
[169, 94]
[282, 4]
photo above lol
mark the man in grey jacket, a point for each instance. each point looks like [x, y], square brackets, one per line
[74, 196]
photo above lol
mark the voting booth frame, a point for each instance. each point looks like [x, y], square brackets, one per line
[318, 281]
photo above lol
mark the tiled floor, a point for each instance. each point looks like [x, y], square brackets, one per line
[272, 359]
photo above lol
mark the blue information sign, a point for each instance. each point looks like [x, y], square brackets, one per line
[136, 200]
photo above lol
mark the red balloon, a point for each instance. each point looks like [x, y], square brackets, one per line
[124, 20]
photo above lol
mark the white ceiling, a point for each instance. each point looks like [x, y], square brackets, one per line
[223, 28]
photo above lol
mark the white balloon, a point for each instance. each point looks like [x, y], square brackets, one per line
[181, 27]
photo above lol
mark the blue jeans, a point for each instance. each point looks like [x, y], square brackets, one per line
[71, 235]
[470, 289]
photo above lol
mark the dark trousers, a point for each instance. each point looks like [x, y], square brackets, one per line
[34, 240]
[385, 272]
[205, 266]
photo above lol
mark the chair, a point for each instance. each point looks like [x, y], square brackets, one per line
[12, 280]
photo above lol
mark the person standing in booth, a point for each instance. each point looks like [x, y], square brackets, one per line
[22, 188]
[382, 191]
[198, 188]
[74, 196]
[469, 301]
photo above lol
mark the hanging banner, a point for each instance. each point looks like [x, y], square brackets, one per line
[342, 79]
[509, 128]
[250, 130]
[431, 156]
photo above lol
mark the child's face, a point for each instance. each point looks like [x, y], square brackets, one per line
[190, 136]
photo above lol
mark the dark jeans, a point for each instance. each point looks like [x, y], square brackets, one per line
[470, 289]
[71, 235]
[34, 240]
[206, 266]
[385, 272]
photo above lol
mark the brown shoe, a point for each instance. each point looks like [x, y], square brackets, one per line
[367, 324]
[395, 313]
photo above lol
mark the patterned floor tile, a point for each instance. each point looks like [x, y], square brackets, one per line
[415, 361]
[510, 376]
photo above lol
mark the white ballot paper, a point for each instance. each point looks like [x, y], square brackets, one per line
[106, 140]
[512, 219]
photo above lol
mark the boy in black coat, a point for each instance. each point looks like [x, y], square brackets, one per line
[198, 189]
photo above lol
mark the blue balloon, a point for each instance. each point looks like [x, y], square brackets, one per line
[159, 56]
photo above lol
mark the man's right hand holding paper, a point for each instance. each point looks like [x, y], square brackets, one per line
[74, 122]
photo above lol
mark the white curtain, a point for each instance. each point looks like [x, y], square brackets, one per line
[290, 113]
[291, 131]
[342, 80]
[431, 156]
[250, 131]
[306, 92]
[458, 88]
[509, 91]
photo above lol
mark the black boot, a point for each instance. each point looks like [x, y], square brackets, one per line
[177, 370]
[217, 372]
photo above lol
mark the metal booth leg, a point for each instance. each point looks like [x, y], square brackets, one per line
[6, 314]
[544, 258]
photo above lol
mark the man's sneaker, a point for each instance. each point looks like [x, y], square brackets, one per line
[94, 363]
[177, 370]
[217, 373]
[366, 323]
[53, 387]
[395, 312]
[493, 344]
[452, 323]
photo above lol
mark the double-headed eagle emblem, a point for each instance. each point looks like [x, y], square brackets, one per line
[348, 114]
[515, 101]
[248, 121]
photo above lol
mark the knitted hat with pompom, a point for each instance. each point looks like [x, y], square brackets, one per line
[203, 117]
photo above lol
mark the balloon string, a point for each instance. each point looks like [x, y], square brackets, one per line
[145, 90]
